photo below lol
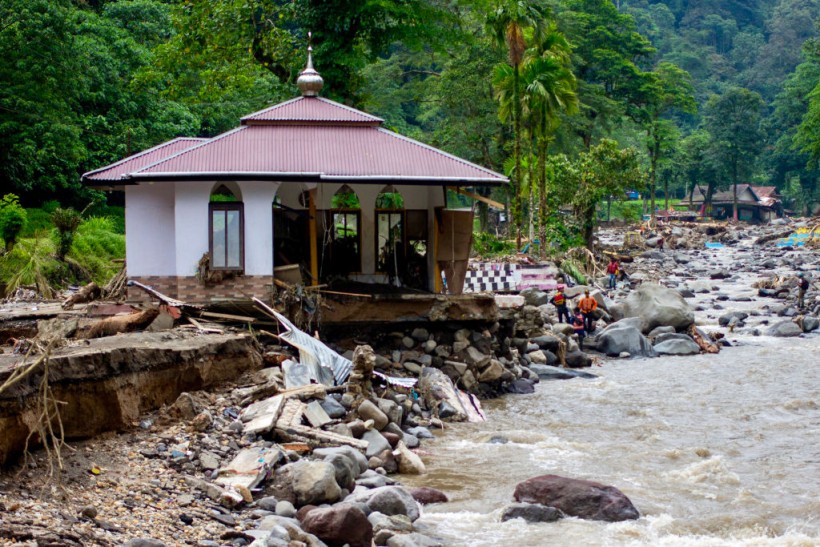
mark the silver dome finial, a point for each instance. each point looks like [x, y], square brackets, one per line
[309, 81]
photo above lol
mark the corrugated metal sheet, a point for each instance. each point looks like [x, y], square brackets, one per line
[327, 150]
[311, 109]
[133, 163]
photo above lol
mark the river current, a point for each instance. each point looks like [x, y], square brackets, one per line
[713, 450]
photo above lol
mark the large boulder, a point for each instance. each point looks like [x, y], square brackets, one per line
[577, 498]
[679, 345]
[341, 524]
[307, 483]
[784, 329]
[620, 337]
[656, 306]
[389, 500]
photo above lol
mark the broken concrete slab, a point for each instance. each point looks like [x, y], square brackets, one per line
[261, 416]
[107, 383]
[249, 467]
[316, 415]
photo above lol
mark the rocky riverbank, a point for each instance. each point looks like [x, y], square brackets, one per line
[244, 464]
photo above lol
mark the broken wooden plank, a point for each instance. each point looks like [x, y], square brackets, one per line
[324, 437]
[200, 327]
[249, 467]
[227, 316]
[316, 415]
[310, 391]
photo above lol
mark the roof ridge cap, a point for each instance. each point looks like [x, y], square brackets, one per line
[349, 108]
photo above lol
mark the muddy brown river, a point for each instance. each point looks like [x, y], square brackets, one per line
[712, 449]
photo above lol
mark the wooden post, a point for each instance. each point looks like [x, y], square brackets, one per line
[437, 286]
[314, 252]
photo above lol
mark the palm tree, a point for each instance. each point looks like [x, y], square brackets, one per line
[509, 23]
[550, 89]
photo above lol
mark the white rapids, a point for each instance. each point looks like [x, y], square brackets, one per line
[713, 450]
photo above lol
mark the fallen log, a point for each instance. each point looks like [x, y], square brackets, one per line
[121, 323]
[88, 293]
[772, 237]
[701, 339]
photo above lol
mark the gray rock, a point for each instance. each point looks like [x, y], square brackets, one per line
[530, 512]
[333, 408]
[578, 359]
[391, 409]
[420, 334]
[311, 482]
[535, 297]
[546, 372]
[369, 411]
[739, 317]
[348, 451]
[420, 432]
[660, 330]
[410, 440]
[208, 460]
[618, 337]
[143, 542]
[284, 508]
[656, 306]
[677, 346]
[376, 443]
[268, 503]
[810, 323]
[784, 329]
[413, 540]
[389, 500]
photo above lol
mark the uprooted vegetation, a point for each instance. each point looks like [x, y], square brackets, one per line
[61, 248]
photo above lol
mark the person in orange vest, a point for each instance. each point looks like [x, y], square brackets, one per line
[587, 305]
[560, 303]
[612, 270]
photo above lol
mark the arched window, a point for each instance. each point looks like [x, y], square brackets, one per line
[226, 230]
[340, 237]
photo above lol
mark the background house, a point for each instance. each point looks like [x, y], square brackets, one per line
[754, 203]
[310, 185]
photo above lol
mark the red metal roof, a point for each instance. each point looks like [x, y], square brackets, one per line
[310, 109]
[319, 152]
[309, 139]
[115, 171]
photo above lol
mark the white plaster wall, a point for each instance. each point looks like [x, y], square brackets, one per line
[149, 229]
[191, 216]
[258, 199]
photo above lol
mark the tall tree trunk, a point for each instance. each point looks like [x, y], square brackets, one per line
[531, 188]
[653, 170]
[542, 197]
[517, 156]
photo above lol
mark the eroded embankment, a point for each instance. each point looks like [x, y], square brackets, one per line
[105, 384]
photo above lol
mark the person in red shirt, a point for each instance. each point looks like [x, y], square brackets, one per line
[612, 270]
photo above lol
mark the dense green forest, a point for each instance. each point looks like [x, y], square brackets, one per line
[574, 99]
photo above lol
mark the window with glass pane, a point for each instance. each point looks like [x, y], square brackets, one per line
[226, 236]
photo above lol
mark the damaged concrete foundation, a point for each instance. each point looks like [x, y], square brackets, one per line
[107, 383]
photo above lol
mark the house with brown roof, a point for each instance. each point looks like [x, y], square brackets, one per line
[309, 189]
[754, 203]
